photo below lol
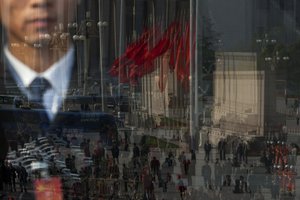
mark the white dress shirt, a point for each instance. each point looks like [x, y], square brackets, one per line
[58, 75]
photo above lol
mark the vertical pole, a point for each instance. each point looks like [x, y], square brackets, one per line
[86, 44]
[101, 55]
[120, 43]
[198, 67]
[191, 81]
[152, 21]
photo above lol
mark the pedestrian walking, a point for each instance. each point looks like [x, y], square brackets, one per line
[165, 175]
[13, 175]
[125, 176]
[136, 151]
[155, 165]
[181, 187]
[222, 149]
[206, 173]
[115, 153]
[218, 175]
[207, 149]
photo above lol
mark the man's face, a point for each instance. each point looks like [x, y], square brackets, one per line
[30, 20]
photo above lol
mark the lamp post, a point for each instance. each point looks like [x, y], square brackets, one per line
[101, 24]
[271, 58]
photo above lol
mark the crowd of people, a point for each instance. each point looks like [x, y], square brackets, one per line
[11, 175]
[275, 170]
[144, 172]
[279, 159]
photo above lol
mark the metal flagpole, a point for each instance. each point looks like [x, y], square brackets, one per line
[115, 28]
[198, 67]
[120, 44]
[192, 113]
[153, 21]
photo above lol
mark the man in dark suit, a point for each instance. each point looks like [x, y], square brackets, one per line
[33, 65]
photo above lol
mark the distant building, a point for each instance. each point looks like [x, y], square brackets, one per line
[244, 96]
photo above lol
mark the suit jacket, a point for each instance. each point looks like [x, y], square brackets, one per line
[8, 86]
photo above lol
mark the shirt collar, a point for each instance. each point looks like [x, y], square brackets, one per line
[58, 74]
[24, 72]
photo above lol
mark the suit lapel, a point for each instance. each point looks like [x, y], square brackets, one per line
[8, 85]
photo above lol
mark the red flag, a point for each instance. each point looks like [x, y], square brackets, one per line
[145, 55]
[114, 70]
[120, 64]
[123, 75]
[147, 68]
[179, 64]
[160, 48]
[48, 189]
[133, 75]
[163, 44]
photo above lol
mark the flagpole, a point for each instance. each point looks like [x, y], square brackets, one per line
[192, 112]
[198, 64]
[120, 46]
[194, 57]
[100, 24]
[115, 27]
[150, 80]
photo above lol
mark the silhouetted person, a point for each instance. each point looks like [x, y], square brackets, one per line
[125, 176]
[22, 176]
[207, 149]
[227, 181]
[222, 149]
[13, 176]
[136, 151]
[218, 174]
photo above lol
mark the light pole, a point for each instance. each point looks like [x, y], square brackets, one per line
[101, 24]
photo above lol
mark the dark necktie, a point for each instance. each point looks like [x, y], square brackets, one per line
[37, 89]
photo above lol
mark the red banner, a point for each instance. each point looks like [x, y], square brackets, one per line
[48, 189]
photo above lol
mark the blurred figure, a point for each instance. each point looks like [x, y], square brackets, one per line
[22, 176]
[125, 176]
[13, 175]
[207, 149]
[154, 165]
[181, 187]
[115, 153]
[227, 181]
[218, 175]
[165, 174]
[222, 149]
[275, 186]
[148, 185]
[206, 173]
